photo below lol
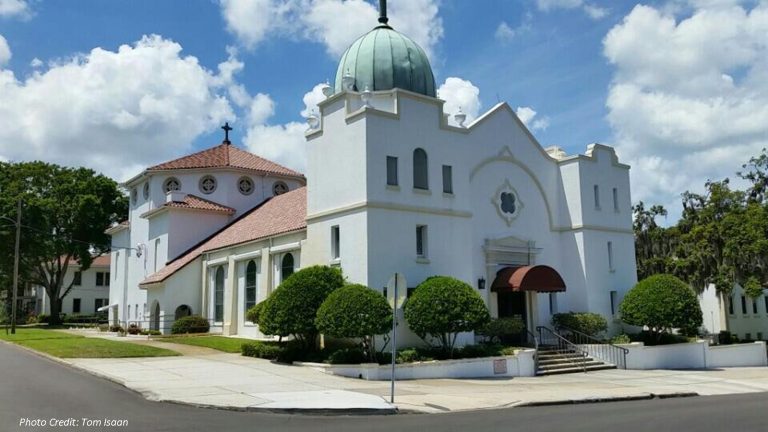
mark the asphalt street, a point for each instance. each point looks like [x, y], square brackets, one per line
[35, 390]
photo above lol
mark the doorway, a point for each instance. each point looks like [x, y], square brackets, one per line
[512, 304]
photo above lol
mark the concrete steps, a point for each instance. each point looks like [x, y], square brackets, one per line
[551, 362]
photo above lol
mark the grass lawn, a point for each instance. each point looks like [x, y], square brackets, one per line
[65, 345]
[33, 333]
[221, 343]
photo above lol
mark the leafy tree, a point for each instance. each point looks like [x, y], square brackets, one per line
[292, 308]
[654, 245]
[254, 312]
[441, 307]
[64, 215]
[662, 302]
[355, 311]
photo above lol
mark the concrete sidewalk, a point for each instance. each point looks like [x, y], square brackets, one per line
[210, 378]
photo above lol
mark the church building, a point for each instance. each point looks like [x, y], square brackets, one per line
[393, 185]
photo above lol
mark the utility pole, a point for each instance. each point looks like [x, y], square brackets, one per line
[16, 269]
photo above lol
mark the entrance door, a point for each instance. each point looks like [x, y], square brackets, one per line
[155, 325]
[512, 304]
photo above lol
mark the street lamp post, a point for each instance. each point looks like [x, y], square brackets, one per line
[16, 269]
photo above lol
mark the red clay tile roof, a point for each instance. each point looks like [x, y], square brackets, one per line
[195, 202]
[278, 215]
[192, 202]
[226, 155]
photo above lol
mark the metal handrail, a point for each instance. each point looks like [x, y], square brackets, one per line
[562, 345]
[599, 349]
[536, 348]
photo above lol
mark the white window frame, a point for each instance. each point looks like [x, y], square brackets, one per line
[422, 235]
[611, 267]
[596, 191]
[335, 242]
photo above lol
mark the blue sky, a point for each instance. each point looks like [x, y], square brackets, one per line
[553, 57]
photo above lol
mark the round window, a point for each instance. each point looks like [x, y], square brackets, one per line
[207, 184]
[134, 195]
[279, 188]
[245, 185]
[146, 190]
[171, 184]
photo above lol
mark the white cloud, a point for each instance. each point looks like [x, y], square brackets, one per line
[593, 11]
[5, 51]
[689, 99]
[504, 33]
[459, 94]
[282, 143]
[334, 23]
[14, 8]
[527, 116]
[36, 63]
[116, 112]
[312, 98]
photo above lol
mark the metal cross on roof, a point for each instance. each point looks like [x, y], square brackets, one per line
[226, 128]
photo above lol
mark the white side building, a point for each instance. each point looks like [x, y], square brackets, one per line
[90, 289]
[737, 313]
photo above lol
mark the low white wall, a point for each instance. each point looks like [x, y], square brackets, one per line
[696, 355]
[521, 364]
[752, 354]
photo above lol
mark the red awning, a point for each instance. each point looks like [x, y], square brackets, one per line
[539, 278]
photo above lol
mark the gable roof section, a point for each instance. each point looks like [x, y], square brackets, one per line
[226, 156]
[278, 215]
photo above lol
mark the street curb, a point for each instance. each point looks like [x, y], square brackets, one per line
[152, 397]
[648, 396]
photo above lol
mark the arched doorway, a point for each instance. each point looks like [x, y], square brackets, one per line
[182, 311]
[513, 285]
[154, 323]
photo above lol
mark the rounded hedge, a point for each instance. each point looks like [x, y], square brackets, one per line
[292, 308]
[252, 314]
[662, 302]
[501, 329]
[354, 311]
[442, 307]
[588, 323]
[190, 324]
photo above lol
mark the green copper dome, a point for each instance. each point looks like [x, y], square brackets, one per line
[384, 59]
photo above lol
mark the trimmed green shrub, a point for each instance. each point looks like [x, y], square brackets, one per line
[348, 356]
[499, 330]
[412, 355]
[190, 324]
[133, 329]
[264, 350]
[253, 313]
[441, 307]
[588, 323]
[662, 302]
[355, 311]
[292, 308]
[116, 329]
[621, 339]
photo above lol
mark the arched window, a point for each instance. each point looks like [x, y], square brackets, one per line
[286, 266]
[182, 311]
[420, 170]
[250, 285]
[218, 290]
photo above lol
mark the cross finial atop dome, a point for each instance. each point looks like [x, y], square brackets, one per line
[226, 128]
[383, 12]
